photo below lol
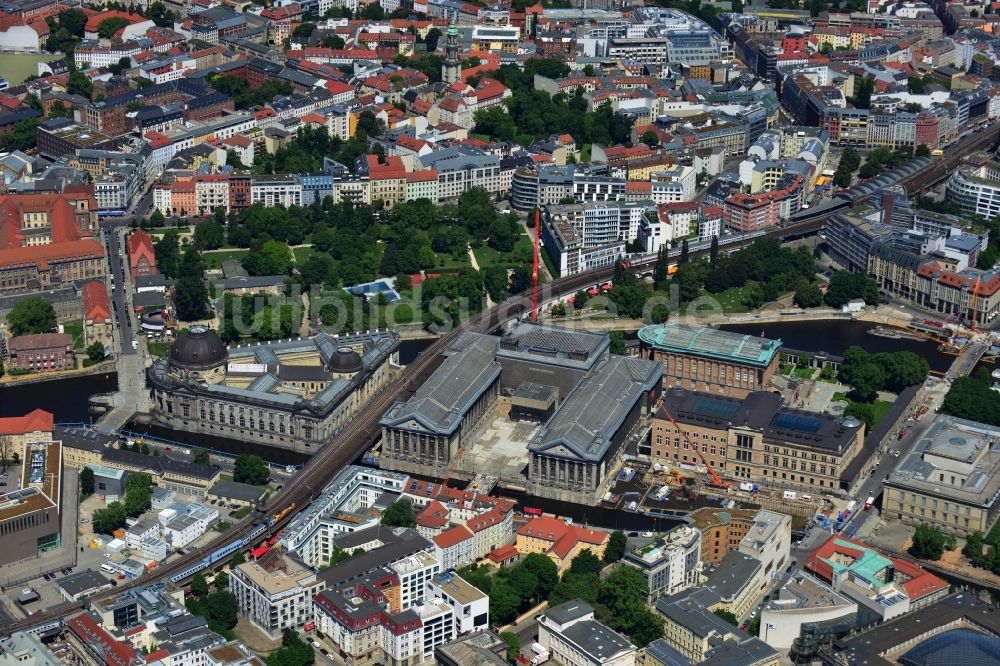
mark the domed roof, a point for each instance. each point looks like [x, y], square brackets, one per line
[198, 349]
[850, 422]
[345, 361]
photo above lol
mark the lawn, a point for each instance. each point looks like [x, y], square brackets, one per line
[16, 67]
[732, 299]
[160, 349]
[879, 408]
[302, 254]
[75, 329]
[215, 259]
[487, 256]
[585, 153]
[446, 262]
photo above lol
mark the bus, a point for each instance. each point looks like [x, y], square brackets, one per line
[870, 502]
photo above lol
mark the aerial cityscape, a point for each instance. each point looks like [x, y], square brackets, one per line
[581, 332]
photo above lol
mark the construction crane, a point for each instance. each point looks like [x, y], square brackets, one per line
[716, 481]
[534, 273]
[972, 297]
[452, 466]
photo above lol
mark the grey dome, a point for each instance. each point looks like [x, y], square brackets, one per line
[198, 349]
[345, 361]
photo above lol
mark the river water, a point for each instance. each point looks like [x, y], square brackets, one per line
[835, 336]
[65, 398]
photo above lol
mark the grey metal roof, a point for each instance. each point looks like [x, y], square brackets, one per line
[83, 581]
[236, 490]
[441, 402]
[588, 419]
[568, 611]
[597, 641]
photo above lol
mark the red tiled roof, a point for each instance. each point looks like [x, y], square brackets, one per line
[38, 420]
[920, 582]
[94, 22]
[503, 554]
[433, 516]
[140, 245]
[115, 653]
[42, 255]
[452, 537]
[563, 536]
[485, 520]
[96, 306]
[61, 218]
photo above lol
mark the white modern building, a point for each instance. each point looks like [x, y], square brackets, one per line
[574, 638]
[803, 600]
[276, 598]
[470, 605]
[671, 563]
[188, 526]
[769, 540]
[342, 507]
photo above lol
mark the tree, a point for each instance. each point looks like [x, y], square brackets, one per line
[580, 299]
[32, 315]
[199, 586]
[168, 254]
[160, 15]
[250, 469]
[293, 651]
[222, 608]
[586, 562]
[713, 250]
[922, 151]
[221, 581]
[269, 257]
[683, 259]
[209, 235]
[431, 39]
[650, 138]
[87, 481]
[513, 645]
[201, 457]
[109, 519]
[237, 559]
[107, 28]
[863, 89]
[807, 294]
[79, 84]
[504, 602]
[544, 569]
[928, 542]
[95, 352]
[191, 298]
[138, 494]
[399, 514]
[617, 339]
[524, 582]
[615, 549]
[727, 616]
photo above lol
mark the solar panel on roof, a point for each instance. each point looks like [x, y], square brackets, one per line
[797, 422]
[715, 408]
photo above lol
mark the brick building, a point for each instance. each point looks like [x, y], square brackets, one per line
[706, 359]
[40, 352]
[141, 257]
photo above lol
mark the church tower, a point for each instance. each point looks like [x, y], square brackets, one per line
[451, 68]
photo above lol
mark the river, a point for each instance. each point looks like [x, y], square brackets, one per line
[835, 336]
[67, 399]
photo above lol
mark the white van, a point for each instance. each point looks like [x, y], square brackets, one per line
[108, 568]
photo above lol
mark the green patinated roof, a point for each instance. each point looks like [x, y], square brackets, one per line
[867, 566]
[711, 343]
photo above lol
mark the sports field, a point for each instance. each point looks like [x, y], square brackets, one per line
[16, 67]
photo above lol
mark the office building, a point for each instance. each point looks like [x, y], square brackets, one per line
[670, 563]
[275, 593]
[574, 638]
[805, 605]
[883, 587]
[30, 518]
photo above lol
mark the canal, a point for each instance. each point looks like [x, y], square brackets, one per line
[835, 336]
